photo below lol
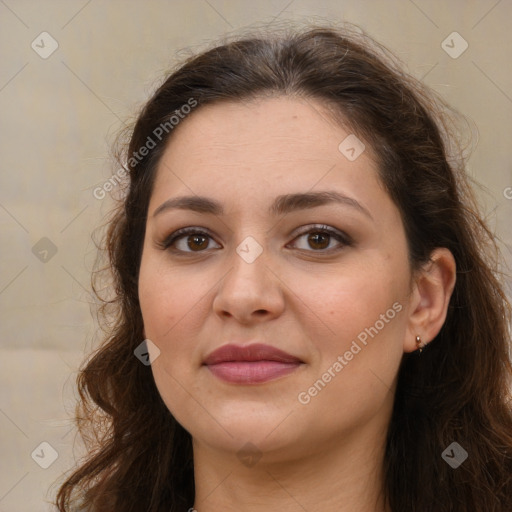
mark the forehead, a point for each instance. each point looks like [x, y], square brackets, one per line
[273, 126]
[264, 141]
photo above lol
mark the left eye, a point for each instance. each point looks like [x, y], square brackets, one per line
[320, 238]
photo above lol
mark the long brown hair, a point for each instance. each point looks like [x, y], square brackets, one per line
[457, 390]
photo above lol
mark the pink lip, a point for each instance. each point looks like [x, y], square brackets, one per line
[251, 364]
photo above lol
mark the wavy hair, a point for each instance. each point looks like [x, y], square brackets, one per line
[458, 390]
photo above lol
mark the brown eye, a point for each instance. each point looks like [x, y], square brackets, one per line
[319, 239]
[188, 240]
[197, 242]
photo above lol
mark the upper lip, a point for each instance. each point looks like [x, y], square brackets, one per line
[254, 352]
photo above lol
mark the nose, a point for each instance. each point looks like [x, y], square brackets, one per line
[251, 291]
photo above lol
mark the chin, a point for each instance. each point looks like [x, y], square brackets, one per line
[242, 422]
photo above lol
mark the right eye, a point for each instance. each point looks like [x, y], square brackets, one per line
[187, 240]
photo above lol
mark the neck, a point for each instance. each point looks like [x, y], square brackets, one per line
[345, 476]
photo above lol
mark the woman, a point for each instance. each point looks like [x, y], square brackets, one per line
[323, 327]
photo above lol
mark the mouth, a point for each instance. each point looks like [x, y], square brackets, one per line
[251, 364]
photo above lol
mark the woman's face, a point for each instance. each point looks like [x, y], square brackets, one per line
[324, 281]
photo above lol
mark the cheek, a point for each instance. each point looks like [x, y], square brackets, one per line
[169, 303]
[361, 318]
[173, 305]
[166, 297]
[358, 338]
[353, 298]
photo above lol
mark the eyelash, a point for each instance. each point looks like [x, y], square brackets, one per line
[339, 236]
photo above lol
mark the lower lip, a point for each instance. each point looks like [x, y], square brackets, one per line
[251, 372]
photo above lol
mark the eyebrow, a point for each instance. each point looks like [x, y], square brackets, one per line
[282, 204]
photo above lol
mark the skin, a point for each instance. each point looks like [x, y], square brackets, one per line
[309, 300]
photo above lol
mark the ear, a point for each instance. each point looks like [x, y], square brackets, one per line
[432, 290]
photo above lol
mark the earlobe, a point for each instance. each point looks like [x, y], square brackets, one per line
[433, 289]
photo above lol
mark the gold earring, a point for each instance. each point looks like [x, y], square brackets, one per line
[418, 342]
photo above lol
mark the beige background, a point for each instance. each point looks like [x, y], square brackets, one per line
[59, 115]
